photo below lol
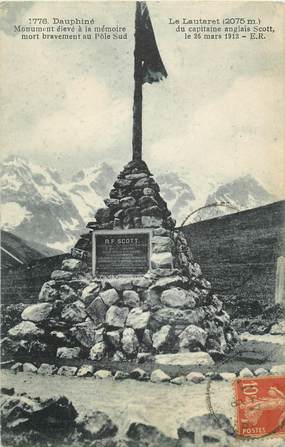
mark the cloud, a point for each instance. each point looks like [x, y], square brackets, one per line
[89, 119]
[238, 133]
[69, 103]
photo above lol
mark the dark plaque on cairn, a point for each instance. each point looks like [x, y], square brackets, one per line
[121, 252]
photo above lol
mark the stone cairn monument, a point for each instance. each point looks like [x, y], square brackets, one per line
[169, 309]
[165, 307]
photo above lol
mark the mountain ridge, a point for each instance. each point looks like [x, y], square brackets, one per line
[39, 206]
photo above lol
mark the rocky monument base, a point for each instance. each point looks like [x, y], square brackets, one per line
[169, 309]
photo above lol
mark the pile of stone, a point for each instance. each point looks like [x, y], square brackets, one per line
[135, 202]
[169, 309]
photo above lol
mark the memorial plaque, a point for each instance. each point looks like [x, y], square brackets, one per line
[121, 252]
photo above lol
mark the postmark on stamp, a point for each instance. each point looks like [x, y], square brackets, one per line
[260, 406]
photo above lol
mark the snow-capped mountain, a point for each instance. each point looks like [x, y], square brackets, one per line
[40, 207]
[177, 193]
[89, 188]
[241, 194]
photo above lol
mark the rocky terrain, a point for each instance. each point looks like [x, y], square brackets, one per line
[55, 421]
[155, 412]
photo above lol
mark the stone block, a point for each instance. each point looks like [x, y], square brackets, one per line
[136, 176]
[72, 265]
[128, 202]
[144, 357]
[47, 370]
[159, 376]
[121, 183]
[74, 312]
[85, 371]
[67, 371]
[97, 426]
[185, 359]
[151, 298]
[121, 375]
[67, 294]
[144, 183]
[119, 356]
[109, 297]
[147, 339]
[103, 215]
[153, 211]
[120, 283]
[261, 372]
[161, 232]
[138, 374]
[58, 337]
[169, 281]
[61, 275]
[169, 315]
[165, 241]
[278, 370]
[48, 292]
[132, 212]
[163, 338]
[138, 319]
[147, 201]
[280, 281]
[149, 192]
[112, 203]
[97, 352]
[29, 368]
[177, 297]
[195, 377]
[89, 293]
[37, 312]
[26, 330]
[67, 353]
[103, 374]
[195, 270]
[192, 337]
[114, 338]
[130, 343]
[116, 316]
[180, 380]
[142, 283]
[131, 298]
[97, 311]
[17, 367]
[85, 333]
[246, 372]
[100, 335]
[278, 328]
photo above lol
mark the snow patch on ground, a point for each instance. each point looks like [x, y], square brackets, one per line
[13, 214]
[63, 246]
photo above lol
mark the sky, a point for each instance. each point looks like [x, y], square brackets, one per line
[219, 114]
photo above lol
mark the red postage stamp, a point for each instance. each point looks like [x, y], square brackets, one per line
[260, 406]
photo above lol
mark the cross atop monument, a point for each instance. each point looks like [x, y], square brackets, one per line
[148, 67]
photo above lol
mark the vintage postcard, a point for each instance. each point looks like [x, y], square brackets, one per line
[143, 223]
